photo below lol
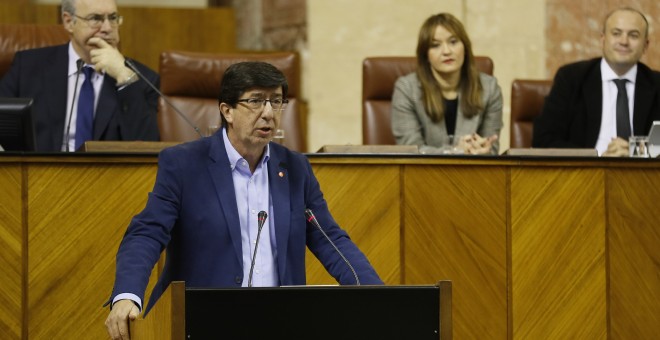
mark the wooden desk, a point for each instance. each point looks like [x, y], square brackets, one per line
[536, 248]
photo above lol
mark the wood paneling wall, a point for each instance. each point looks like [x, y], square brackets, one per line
[147, 31]
[634, 259]
[535, 248]
[558, 271]
[11, 253]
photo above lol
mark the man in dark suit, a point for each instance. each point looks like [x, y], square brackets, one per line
[205, 203]
[581, 109]
[119, 105]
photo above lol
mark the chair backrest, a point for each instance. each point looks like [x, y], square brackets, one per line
[378, 77]
[527, 97]
[18, 37]
[191, 81]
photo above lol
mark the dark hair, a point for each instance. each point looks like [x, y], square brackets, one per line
[470, 84]
[241, 77]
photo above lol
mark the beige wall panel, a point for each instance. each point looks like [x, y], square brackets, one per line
[11, 249]
[364, 200]
[634, 236]
[512, 33]
[455, 229]
[78, 215]
[558, 280]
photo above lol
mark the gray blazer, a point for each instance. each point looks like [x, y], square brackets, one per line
[412, 126]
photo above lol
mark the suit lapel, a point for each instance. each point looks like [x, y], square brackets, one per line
[107, 104]
[645, 92]
[278, 177]
[55, 80]
[220, 172]
[593, 92]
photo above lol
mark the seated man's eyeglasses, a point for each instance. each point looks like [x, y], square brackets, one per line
[97, 20]
[277, 104]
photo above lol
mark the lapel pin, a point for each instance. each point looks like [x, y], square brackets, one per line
[281, 174]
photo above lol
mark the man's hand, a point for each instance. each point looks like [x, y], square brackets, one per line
[618, 147]
[117, 321]
[476, 145]
[107, 59]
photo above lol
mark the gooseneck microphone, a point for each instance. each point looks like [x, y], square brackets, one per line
[261, 219]
[79, 66]
[312, 219]
[134, 68]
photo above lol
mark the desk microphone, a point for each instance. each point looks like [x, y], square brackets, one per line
[79, 65]
[312, 219]
[134, 68]
[261, 220]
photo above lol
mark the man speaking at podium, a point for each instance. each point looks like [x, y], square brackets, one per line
[213, 199]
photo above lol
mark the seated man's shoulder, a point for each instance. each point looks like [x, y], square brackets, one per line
[645, 69]
[41, 52]
[580, 66]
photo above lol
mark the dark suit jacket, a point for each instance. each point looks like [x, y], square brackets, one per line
[572, 111]
[41, 74]
[192, 212]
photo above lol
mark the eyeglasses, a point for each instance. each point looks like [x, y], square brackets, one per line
[277, 104]
[97, 20]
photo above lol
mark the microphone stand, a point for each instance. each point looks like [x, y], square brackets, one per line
[312, 219]
[261, 219]
[79, 65]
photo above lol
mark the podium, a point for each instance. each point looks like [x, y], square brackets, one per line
[300, 312]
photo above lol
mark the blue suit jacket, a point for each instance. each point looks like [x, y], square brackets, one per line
[41, 74]
[192, 213]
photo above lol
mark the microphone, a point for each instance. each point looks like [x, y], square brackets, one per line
[134, 68]
[79, 65]
[312, 219]
[261, 220]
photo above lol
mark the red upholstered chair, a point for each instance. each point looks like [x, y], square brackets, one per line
[191, 81]
[17, 37]
[527, 97]
[378, 77]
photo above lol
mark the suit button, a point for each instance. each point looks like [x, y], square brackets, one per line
[239, 280]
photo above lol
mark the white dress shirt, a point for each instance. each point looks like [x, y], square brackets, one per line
[608, 118]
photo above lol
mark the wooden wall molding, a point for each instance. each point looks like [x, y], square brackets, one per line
[147, 31]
